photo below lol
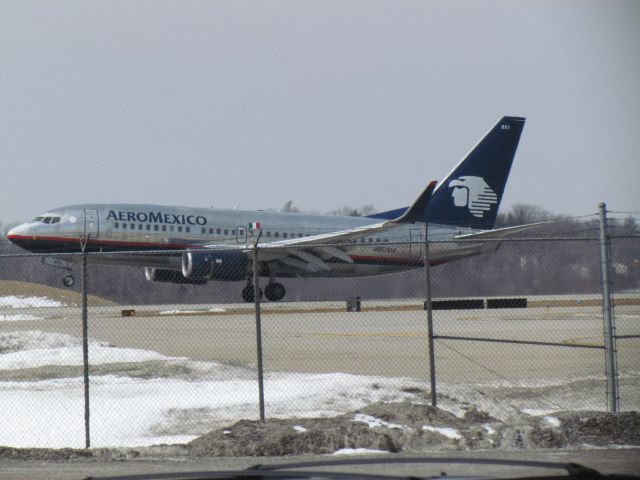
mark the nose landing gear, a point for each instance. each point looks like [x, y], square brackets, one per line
[68, 280]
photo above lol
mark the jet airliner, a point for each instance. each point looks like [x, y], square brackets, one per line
[213, 244]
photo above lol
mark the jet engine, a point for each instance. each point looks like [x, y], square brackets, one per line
[214, 265]
[170, 276]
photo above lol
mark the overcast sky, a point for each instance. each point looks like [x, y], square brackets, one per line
[327, 103]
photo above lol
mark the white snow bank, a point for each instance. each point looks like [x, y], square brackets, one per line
[13, 301]
[451, 433]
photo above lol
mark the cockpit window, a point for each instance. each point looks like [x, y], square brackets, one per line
[47, 219]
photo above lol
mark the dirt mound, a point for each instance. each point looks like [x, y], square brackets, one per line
[392, 427]
[399, 427]
[403, 427]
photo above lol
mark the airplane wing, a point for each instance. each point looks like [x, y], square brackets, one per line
[311, 253]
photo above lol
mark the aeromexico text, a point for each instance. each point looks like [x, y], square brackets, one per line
[157, 217]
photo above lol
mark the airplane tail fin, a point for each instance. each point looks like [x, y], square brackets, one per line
[470, 195]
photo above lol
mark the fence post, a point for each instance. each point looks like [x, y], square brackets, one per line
[611, 362]
[429, 307]
[85, 348]
[256, 299]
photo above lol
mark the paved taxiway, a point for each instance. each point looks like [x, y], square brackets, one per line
[386, 338]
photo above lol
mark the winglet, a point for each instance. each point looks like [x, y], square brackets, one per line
[418, 211]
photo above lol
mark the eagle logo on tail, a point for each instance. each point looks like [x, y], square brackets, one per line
[473, 193]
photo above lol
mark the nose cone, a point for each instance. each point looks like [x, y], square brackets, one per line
[18, 234]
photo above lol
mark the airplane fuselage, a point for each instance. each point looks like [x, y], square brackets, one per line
[130, 227]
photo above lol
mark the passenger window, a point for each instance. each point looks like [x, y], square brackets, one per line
[124, 226]
[203, 230]
[164, 228]
[226, 231]
[180, 229]
[362, 240]
[116, 225]
[188, 229]
[377, 240]
[371, 240]
[139, 226]
[233, 232]
[218, 231]
[210, 231]
[133, 226]
[268, 234]
[171, 228]
[155, 228]
[300, 235]
[148, 227]
[284, 235]
[277, 235]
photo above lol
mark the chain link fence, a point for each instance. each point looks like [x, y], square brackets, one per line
[518, 330]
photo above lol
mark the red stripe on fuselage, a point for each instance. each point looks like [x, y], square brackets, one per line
[26, 239]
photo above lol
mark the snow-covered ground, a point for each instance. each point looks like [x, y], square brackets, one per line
[141, 397]
[13, 301]
[10, 306]
[130, 408]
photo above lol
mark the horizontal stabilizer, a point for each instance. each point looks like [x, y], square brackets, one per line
[502, 232]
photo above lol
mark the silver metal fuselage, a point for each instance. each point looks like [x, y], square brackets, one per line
[118, 228]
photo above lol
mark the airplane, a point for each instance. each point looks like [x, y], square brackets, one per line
[195, 245]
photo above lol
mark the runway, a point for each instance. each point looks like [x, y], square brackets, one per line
[386, 338]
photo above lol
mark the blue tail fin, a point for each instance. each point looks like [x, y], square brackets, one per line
[470, 195]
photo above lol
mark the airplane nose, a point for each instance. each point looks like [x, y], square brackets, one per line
[16, 233]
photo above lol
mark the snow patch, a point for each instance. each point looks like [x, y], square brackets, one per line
[358, 451]
[13, 301]
[553, 422]
[374, 422]
[488, 429]
[34, 349]
[18, 318]
[300, 429]
[451, 433]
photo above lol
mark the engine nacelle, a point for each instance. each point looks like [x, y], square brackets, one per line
[214, 265]
[170, 276]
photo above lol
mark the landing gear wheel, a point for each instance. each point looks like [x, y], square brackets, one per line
[68, 280]
[275, 292]
[247, 294]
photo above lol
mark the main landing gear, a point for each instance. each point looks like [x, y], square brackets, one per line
[273, 291]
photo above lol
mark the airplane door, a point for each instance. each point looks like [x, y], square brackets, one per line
[91, 225]
[241, 234]
[416, 247]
